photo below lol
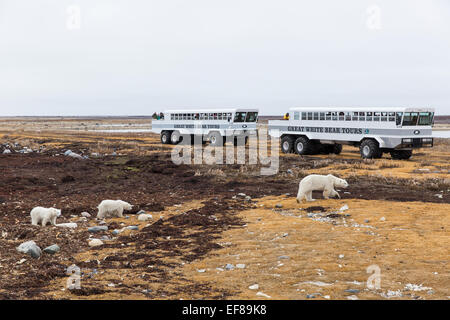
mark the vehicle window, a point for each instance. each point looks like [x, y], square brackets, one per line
[355, 116]
[425, 119]
[341, 116]
[391, 116]
[410, 118]
[310, 116]
[335, 116]
[251, 117]
[362, 116]
[296, 115]
[348, 116]
[316, 116]
[230, 116]
[384, 116]
[376, 116]
[328, 116]
[369, 116]
[398, 118]
[240, 116]
[322, 116]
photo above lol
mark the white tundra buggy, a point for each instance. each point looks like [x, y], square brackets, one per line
[374, 130]
[214, 125]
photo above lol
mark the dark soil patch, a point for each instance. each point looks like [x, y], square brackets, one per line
[30, 180]
[316, 209]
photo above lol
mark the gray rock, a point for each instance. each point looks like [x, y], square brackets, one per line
[86, 214]
[97, 229]
[352, 291]
[30, 248]
[144, 217]
[283, 257]
[116, 232]
[7, 151]
[54, 248]
[71, 225]
[95, 242]
[289, 171]
[279, 206]
[310, 296]
[141, 212]
[254, 287]
[132, 228]
[366, 220]
[240, 266]
[229, 266]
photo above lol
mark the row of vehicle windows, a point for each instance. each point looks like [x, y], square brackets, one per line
[201, 116]
[410, 119]
[239, 116]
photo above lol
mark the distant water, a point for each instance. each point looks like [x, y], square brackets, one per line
[441, 134]
[122, 130]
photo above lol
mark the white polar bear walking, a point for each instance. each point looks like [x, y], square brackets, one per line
[113, 208]
[322, 183]
[44, 216]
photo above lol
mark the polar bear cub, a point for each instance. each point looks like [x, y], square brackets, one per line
[322, 183]
[44, 216]
[113, 208]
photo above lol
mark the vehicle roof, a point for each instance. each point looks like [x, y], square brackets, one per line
[373, 109]
[218, 110]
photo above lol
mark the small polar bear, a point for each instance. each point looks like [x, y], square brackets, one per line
[322, 183]
[113, 208]
[44, 216]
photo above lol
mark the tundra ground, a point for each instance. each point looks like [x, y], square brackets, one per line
[397, 219]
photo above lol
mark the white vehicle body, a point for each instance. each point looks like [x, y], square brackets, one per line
[391, 129]
[210, 123]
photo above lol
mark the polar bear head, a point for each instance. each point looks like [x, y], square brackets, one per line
[337, 182]
[125, 205]
[55, 212]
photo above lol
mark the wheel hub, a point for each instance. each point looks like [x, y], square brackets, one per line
[366, 150]
[300, 147]
[286, 145]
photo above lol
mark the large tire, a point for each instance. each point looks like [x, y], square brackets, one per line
[369, 149]
[337, 148]
[303, 146]
[215, 139]
[401, 154]
[175, 137]
[287, 144]
[165, 137]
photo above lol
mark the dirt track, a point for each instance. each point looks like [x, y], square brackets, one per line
[192, 208]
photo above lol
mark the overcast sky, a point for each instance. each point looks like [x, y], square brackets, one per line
[135, 57]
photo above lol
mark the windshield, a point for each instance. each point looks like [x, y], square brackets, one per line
[240, 116]
[251, 116]
[425, 118]
[410, 118]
